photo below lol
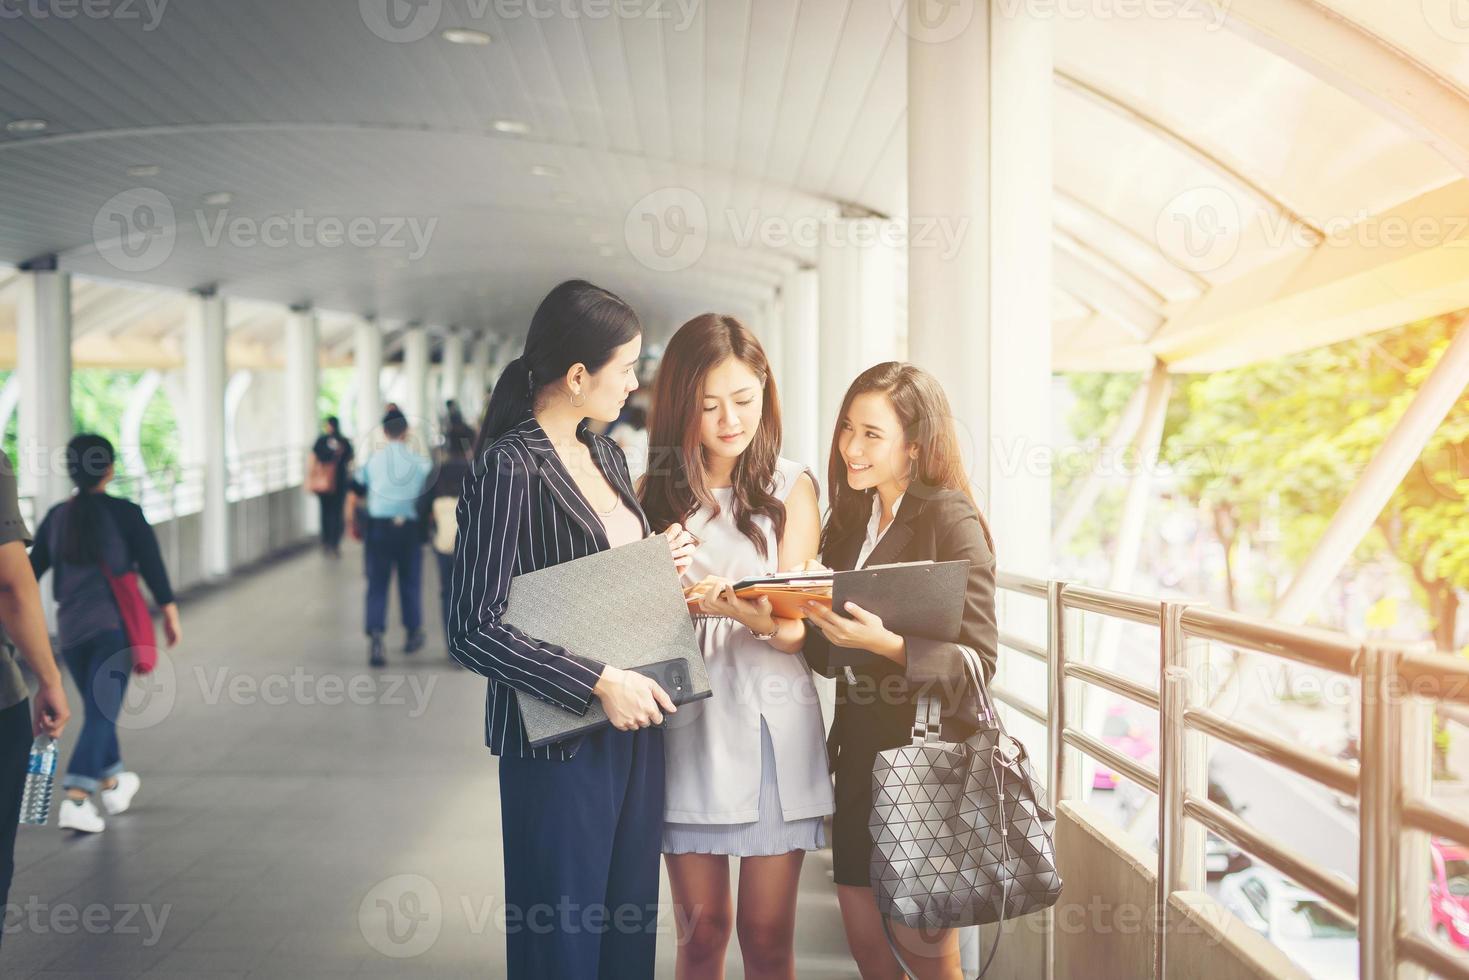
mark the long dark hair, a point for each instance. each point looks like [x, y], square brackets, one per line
[923, 411]
[577, 323]
[676, 485]
[88, 458]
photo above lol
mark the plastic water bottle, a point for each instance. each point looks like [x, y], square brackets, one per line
[35, 802]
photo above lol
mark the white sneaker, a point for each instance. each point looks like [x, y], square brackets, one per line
[120, 797]
[80, 815]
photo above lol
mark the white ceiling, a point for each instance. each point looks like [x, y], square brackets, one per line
[762, 109]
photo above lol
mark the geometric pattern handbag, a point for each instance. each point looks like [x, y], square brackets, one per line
[960, 830]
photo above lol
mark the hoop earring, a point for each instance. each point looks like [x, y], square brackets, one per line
[578, 404]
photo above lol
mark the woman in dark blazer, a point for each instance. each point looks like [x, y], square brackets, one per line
[898, 493]
[581, 819]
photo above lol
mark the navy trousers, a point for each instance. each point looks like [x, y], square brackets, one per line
[394, 546]
[582, 841]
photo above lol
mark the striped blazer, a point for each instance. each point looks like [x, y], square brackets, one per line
[521, 511]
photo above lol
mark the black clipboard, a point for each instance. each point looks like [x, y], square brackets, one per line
[923, 598]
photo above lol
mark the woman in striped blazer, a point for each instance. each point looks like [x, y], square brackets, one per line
[581, 819]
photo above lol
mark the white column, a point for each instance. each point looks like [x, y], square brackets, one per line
[477, 378]
[799, 394]
[979, 294]
[205, 379]
[415, 373]
[769, 326]
[368, 359]
[979, 277]
[303, 380]
[858, 271]
[453, 370]
[43, 363]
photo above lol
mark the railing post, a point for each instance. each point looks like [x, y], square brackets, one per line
[1182, 769]
[1061, 712]
[1377, 866]
[1415, 782]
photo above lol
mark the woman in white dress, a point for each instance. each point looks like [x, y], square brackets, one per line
[746, 769]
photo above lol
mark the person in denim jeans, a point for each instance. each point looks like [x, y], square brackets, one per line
[393, 481]
[76, 538]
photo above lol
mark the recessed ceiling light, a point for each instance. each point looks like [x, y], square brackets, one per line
[514, 126]
[219, 199]
[25, 125]
[600, 238]
[580, 221]
[145, 170]
[542, 170]
[605, 251]
[562, 197]
[461, 35]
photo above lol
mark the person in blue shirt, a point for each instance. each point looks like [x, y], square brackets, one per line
[392, 481]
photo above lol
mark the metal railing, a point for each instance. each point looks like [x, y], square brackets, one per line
[1391, 783]
[167, 494]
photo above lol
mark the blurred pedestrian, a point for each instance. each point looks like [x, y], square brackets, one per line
[86, 542]
[392, 482]
[330, 469]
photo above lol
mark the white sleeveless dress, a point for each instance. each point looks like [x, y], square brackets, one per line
[746, 771]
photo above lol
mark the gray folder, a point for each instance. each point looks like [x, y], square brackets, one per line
[624, 606]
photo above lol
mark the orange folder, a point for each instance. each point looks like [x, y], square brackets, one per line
[785, 602]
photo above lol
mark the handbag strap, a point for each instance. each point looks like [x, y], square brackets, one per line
[928, 720]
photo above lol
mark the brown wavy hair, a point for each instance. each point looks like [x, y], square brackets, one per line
[923, 411]
[676, 486]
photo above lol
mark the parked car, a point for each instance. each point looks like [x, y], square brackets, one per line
[1298, 922]
[1448, 892]
[1123, 733]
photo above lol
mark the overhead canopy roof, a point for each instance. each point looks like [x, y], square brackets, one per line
[1227, 185]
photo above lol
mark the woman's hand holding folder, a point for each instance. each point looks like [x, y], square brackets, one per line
[717, 597]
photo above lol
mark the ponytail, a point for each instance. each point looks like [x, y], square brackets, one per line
[577, 323]
[510, 402]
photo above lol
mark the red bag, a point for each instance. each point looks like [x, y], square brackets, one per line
[137, 622]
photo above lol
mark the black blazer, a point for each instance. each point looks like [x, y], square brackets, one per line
[930, 525]
[520, 512]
